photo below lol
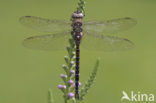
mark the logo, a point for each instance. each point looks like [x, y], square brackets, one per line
[137, 97]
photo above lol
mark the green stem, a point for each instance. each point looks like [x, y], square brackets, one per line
[70, 67]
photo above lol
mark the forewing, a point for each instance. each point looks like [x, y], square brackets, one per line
[45, 25]
[109, 26]
[50, 42]
[105, 43]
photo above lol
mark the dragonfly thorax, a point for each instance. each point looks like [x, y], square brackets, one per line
[77, 25]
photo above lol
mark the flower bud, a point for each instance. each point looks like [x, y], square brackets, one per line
[70, 82]
[62, 88]
[72, 71]
[63, 76]
[74, 52]
[73, 58]
[75, 85]
[72, 62]
[70, 95]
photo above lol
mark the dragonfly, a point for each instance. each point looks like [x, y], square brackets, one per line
[92, 35]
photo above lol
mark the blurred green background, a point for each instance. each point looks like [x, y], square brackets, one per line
[26, 75]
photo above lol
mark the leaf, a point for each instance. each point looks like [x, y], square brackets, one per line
[50, 96]
[89, 82]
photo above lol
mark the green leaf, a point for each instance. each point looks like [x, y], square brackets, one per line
[50, 96]
[90, 81]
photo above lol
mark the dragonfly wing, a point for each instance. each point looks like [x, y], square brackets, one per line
[105, 43]
[50, 42]
[45, 25]
[110, 26]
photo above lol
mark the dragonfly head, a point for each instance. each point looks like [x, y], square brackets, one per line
[77, 14]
